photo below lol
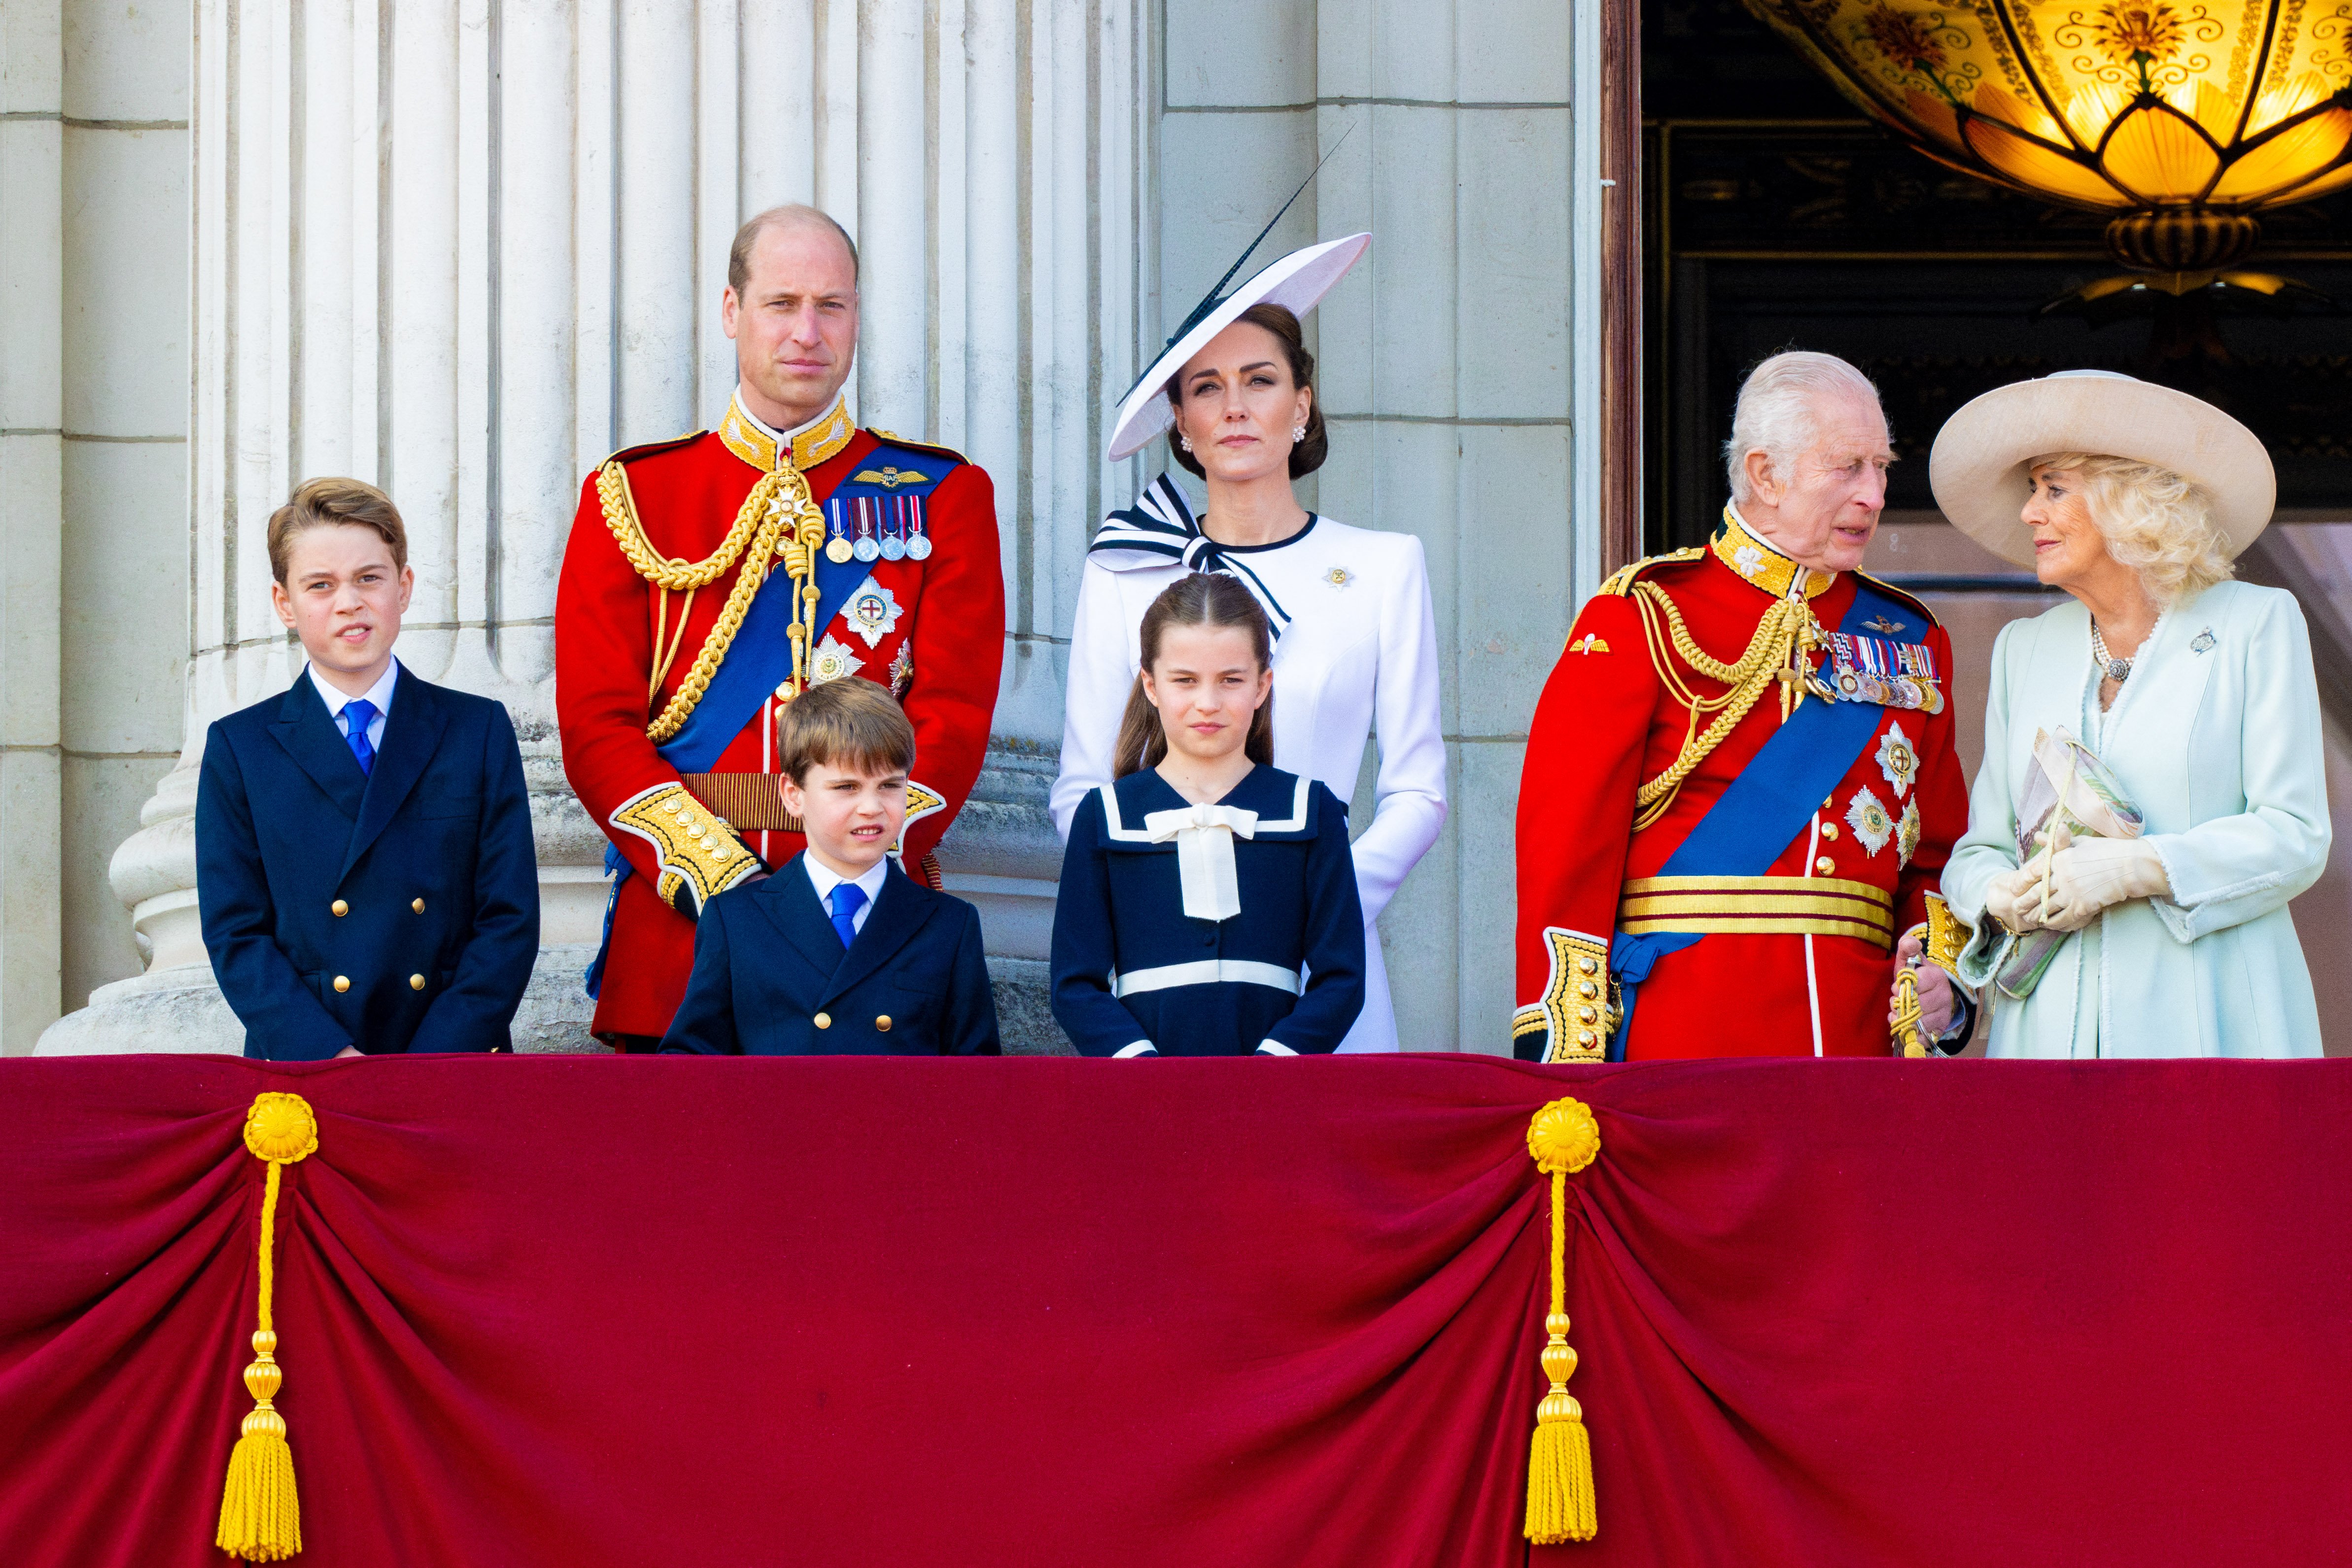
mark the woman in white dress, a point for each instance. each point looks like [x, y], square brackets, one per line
[1356, 640]
[2162, 930]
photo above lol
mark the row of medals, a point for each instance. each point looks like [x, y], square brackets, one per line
[1848, 684]
[890, 547]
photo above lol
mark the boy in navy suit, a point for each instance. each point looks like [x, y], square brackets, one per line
[364, 866]
[839, 952]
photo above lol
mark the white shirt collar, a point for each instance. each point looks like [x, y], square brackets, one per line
[380, 694]
[825, 881]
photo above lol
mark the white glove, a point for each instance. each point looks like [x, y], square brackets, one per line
[2014, 899]
[2094, 874]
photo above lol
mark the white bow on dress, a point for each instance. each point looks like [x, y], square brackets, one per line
[1204, 855]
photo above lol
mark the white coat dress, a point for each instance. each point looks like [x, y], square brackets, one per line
[1359, 658]
[2216, 737]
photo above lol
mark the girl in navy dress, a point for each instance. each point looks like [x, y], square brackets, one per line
[1202, 880]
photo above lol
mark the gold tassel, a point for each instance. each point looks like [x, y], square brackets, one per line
[1907, 1013]
[1563, 1138]
[261, 1517]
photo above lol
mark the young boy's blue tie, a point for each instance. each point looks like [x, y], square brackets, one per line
[358, 714]
[848, 897]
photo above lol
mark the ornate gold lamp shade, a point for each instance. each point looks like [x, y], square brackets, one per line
[2183, 120]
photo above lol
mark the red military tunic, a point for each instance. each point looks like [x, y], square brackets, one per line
[1794, 963]
[934, 634]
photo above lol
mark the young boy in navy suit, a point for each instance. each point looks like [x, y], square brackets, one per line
[364, 867]
[839, 952]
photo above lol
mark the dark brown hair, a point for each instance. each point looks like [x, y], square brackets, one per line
[1202, 599]
[738, 255]
[1308, 455]
[848, 723]
[321, 502]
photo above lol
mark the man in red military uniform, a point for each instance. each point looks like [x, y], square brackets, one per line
[1740, 786]
[710, 579]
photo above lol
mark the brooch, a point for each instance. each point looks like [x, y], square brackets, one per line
[1339, 576]
[831, 661]
[1867, 816]
[872, 612]
[2205, 643]
[1897, 761]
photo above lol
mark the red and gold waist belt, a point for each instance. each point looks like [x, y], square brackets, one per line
[1805, 906]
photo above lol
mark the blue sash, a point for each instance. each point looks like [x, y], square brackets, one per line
[1759, 815]
[760, 659]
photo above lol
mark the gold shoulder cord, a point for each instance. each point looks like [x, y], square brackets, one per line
[1775, 654]
[778, 518]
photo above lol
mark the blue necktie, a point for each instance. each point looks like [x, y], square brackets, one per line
[359, 713]
[848, 897]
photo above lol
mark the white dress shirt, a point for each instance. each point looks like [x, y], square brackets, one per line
[1360, 659]
[380, 694]
[825, 882]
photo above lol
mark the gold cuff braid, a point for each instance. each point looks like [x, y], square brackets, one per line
[1575, 1017]
[692, 846]
[1947, 936]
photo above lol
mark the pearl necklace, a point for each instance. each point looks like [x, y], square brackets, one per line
[2117, 669]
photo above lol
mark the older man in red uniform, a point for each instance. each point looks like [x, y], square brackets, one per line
[712, 579]
[1740, 786]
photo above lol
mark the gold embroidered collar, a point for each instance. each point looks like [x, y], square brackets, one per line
[1743, 550]
[765, 449]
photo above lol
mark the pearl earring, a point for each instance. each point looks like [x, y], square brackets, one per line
[1298, 434]
[1184, 441]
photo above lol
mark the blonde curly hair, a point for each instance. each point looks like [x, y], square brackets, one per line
[2155, 521]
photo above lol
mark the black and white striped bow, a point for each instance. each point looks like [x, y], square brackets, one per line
[1160, 528]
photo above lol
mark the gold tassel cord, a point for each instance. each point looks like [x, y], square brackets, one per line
[1563, 1137]
[261, 1516]
[1777, 653]
[1907, 1013]
[779, 519]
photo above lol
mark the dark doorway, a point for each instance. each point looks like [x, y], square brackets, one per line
[1777, 217]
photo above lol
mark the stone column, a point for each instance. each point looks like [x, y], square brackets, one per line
[464, 249]
[93, 410]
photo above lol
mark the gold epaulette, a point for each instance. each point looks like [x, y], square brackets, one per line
[1904, 595]
[694, 846]
[1621, 582]
[898, 440]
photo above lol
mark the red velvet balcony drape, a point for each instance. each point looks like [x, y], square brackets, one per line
[658, 1311]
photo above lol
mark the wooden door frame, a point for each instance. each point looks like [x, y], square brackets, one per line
[1621, 282]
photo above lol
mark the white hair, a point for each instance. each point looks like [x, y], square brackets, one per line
[2154, 521]
[1777, 412]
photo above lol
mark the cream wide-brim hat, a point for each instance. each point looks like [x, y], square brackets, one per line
[1297, 283]
[1978, 468]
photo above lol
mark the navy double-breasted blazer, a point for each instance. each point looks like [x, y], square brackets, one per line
[771, 979]
[395, 909]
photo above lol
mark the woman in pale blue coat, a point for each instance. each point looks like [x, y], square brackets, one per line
[2195, 691]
